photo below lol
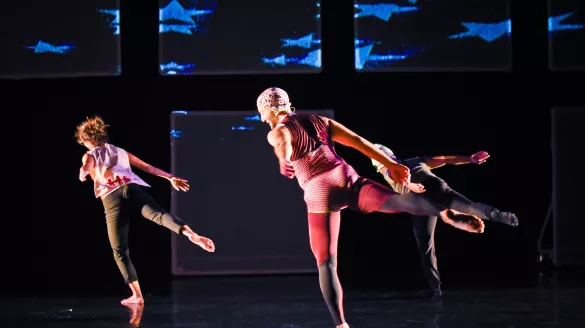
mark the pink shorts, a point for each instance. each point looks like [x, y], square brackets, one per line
[336, 190]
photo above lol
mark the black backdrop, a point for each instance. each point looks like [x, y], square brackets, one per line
[54, 233]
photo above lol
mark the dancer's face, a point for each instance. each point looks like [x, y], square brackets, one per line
[268, 116]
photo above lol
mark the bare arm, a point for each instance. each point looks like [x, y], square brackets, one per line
[87, 167]
[279, 138]
[399, 172]
[478, 158]
[438, 161]
[346, 137]
[140, 164]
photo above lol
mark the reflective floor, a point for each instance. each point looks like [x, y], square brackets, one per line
[295, 302]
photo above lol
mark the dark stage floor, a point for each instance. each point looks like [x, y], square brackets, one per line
[287, 302]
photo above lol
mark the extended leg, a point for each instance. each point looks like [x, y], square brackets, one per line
[438, 191]
[323, 234]
[152, 211]
[373, 197]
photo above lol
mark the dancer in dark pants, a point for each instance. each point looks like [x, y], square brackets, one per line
[304, 147]
[123, 195]
[439, 192]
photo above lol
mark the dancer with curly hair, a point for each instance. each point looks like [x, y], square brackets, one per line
[122, 195]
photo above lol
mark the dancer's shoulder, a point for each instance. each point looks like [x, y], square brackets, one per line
[279, 134]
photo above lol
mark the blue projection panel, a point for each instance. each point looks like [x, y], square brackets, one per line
[566, 30]
[239, 37]
[66, 38]
[256, 217]
[432, 35]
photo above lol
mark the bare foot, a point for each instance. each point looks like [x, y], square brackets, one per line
[462, 221]
[343, 325]
[133, 300]
[203, 242]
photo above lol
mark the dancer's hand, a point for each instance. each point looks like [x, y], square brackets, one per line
[480, 157]
[400, 174]
[82, 175]
[204, 242]
[287, 169]
[416, 187]
[179, 184]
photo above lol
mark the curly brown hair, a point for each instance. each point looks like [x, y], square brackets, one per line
[93, 129]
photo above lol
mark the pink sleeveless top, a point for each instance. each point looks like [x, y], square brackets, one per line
[112, 170]
[322, 174]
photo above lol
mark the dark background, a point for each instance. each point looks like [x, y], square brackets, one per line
[54, 233]
[262, 235]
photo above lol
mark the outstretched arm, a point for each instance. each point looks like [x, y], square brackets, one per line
[279, 138]
[87, 167]
[397, 172]
[438, 161]
[346, 137]
[178, 183]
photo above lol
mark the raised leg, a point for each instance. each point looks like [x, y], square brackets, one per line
[373, 197]
[438, 191]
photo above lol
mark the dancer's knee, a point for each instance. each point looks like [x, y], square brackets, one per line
[121, 253]
[328, 261]
[322, 257]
